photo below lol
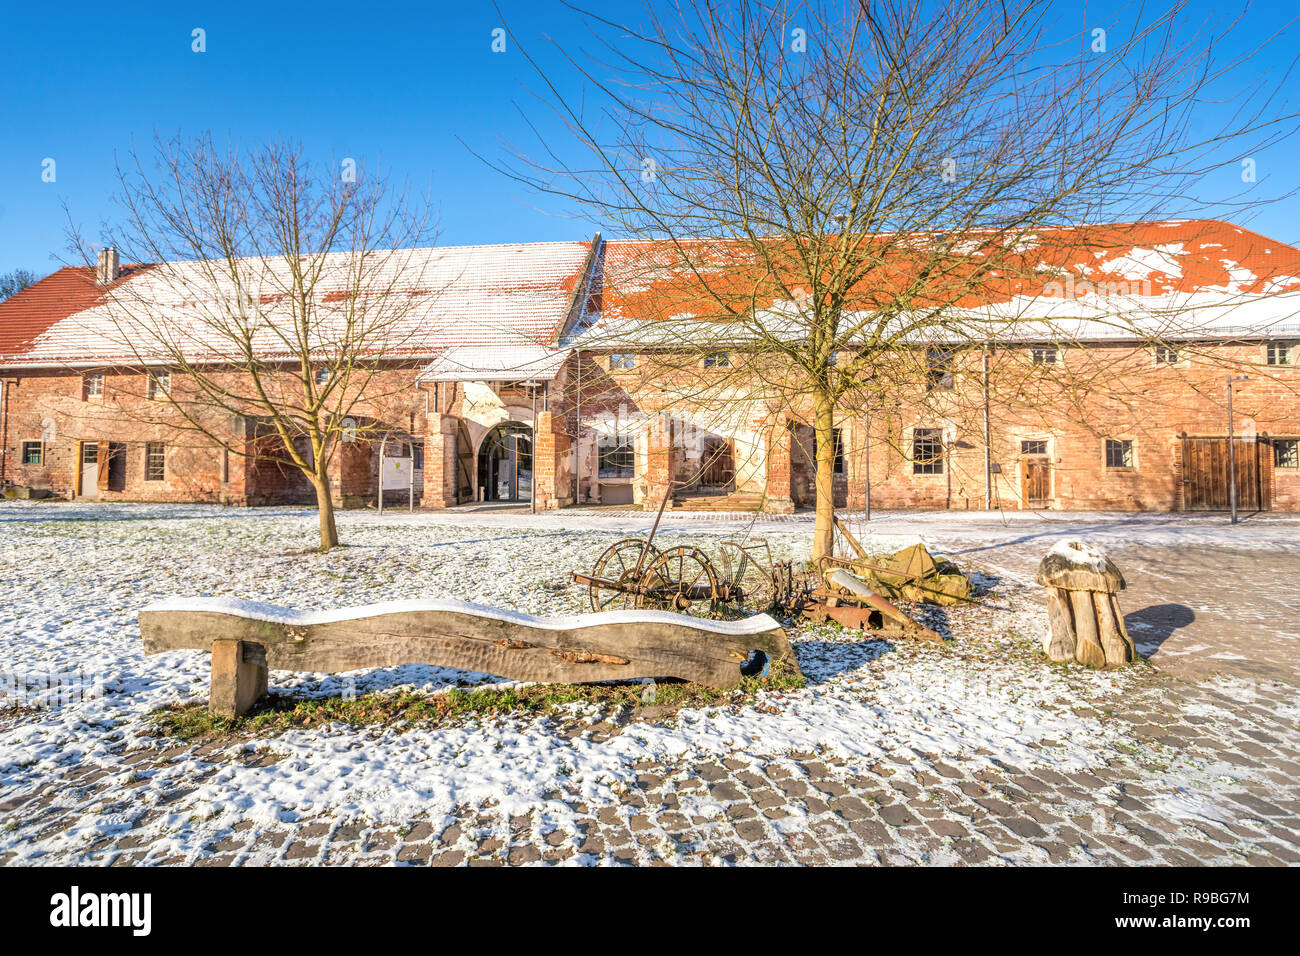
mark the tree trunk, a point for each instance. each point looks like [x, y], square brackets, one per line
[824, 430]
[329, 532]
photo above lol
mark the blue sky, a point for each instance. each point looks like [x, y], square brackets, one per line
[397, 82]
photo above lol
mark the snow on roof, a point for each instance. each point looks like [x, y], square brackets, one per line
[497, 296]
[478, 364]
[1175, 279]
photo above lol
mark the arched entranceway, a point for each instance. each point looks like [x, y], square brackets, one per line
[505, 463]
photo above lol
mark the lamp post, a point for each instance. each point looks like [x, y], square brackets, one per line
[1232, 449]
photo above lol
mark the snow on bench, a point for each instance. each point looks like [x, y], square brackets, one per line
[247, 638]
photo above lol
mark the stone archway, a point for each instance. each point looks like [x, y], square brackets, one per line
[505, 463]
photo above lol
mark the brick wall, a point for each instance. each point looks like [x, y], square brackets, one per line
[52, 406]
[1093, 394]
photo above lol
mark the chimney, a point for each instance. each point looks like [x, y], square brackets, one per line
[108, 268]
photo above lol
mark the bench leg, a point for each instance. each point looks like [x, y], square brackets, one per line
[238, 677]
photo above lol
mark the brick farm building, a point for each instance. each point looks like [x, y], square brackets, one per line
[510, 393]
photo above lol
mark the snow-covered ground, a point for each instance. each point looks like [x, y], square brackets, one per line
[75, 576]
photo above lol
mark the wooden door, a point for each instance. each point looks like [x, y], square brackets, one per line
[719, 465]
[1038, 482]
[1205, 478]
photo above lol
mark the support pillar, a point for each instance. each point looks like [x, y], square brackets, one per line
[779, 468]
[659, 462]
[238, 677]
[551, 481]
[440, 462]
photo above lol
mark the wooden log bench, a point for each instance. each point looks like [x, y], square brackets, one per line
[246, 639]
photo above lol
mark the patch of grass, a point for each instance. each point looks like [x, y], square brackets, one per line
[404, 710]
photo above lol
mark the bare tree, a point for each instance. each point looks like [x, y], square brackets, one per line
[273, 294]
[15, 281]
[828, 192]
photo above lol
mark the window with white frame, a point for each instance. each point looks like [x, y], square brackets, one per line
[622, 361]
[1279, 353]
[617, 456]
[1119, 453]
[160, 384]
[1045, 354]
[155, 461]
[324, 376]
[1167, 355]
[1286, 453]
[92, 385]
[927, 451]
[717, 360]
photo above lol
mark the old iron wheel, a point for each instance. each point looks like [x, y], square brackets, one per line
[683, 580]
[749, 576]
[618, 563]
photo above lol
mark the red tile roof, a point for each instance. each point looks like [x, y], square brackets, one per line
[1185, 277]
[494, 296]
[648, 280]
[27, 314]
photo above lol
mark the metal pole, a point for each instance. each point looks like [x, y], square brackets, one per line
[1232, 458]
[532, 480]
[866, 454]
[577, 437]
[382, 445]
[988, 441]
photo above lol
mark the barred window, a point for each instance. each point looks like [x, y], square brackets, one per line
[1046, 355]
[155, 467]
[1286, 452]
[717, 360]
[621, 361]
[617, 456]
[1167, 355]
[160, 384]
[1034, 447]
[1119, 453]
[927, 451]
[1278, 353]
[92, 385]
[33, 453]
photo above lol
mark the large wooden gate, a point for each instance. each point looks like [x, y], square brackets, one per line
[466, 467]
[1205, 475]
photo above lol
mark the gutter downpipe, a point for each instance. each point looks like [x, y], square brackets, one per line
[4, 431]
[988, 441]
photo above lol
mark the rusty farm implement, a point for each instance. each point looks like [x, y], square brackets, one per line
[633, 573]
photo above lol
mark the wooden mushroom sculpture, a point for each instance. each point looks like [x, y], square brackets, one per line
[1085, 623]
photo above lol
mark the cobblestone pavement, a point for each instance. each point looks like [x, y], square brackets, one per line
[1222, 697]
[734, 812]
